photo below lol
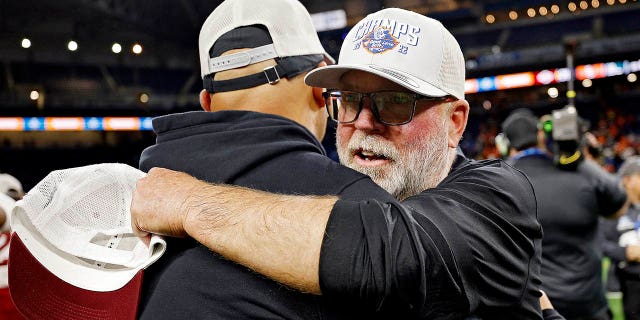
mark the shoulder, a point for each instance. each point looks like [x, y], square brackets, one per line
[490, 181]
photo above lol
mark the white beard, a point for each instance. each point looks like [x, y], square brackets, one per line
[413, 167]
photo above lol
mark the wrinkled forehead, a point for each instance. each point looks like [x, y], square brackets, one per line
[363, 81]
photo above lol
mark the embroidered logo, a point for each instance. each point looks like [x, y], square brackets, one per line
[379, 40]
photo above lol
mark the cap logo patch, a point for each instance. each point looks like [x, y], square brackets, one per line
[383, 35]
[379, 40]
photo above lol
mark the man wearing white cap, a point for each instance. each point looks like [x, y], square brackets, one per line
[464, 241]
[10, 192]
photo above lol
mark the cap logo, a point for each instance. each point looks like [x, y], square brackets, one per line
[379, 40]
[382, 35]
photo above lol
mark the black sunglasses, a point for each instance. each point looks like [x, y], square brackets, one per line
[392, 108]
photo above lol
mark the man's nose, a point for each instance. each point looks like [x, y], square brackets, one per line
[366, 120]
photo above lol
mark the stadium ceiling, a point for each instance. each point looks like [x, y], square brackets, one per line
[167, 26]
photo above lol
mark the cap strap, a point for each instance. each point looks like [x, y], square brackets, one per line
[100, 253]
[242, 59]
[285, 68]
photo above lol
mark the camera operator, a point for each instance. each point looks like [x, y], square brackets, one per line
[571, 192]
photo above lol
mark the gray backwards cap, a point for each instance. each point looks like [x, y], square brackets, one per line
[630, 166]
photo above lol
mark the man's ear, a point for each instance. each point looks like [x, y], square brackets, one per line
[205, 100]
[458, 116]
[317, 92]
[317, 96]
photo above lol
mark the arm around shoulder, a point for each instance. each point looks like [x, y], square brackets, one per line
[276, 235]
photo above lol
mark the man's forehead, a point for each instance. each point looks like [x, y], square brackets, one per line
[365, 81]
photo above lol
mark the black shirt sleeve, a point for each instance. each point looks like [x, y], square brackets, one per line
[378, 253]
[610, 193]
[551, 314]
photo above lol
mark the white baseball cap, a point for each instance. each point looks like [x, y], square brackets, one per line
[73, 251]
[410, 49]
[288, 24]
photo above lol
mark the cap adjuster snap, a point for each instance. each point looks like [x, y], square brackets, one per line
[274, 75]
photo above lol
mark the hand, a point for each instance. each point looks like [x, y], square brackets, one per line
[159, 203]
[633, 253]
[545, 303]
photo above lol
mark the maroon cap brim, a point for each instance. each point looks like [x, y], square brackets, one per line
[39, 294]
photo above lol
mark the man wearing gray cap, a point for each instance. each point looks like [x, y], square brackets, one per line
[622, 240]
[460, 238]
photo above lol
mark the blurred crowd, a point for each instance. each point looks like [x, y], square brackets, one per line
[617, 134]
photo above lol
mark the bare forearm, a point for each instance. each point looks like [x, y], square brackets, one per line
[278, 236]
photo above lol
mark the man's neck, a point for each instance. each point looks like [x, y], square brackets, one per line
[291, 111]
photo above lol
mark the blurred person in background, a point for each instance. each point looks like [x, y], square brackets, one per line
[622, 240]
[10, 192]
[569, 204]
[463, 241]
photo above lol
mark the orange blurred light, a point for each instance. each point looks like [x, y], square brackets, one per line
[531, 12]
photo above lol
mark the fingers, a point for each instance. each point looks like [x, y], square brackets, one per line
[157, 200]
[136, 211]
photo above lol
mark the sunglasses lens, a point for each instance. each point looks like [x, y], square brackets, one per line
[394, 107]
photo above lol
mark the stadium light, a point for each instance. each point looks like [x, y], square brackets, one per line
[490, 18]
[611, 2]
[137, 48]
[543, 11]
[595, 3]
[572, 6]
[72, 45]
[623, 1]
[26, 43]
[513, 15]
[116, 48]
[144, 97]
[584, 5]
[555, 9]
[34, 95]
[531, 12]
